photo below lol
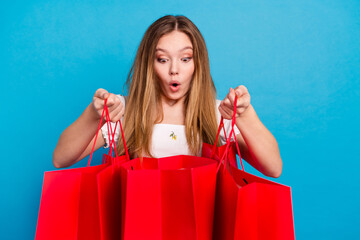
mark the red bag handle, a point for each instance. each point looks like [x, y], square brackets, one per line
[111, 134]
[221, 125]
[228, 140]
[109, 128]
[113, 137]
[97, 133]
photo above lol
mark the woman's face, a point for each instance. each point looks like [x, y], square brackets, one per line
[174, 65]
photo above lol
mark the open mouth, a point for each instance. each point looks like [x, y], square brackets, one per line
[174, 86]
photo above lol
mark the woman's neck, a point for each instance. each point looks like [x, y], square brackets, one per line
[173, 111]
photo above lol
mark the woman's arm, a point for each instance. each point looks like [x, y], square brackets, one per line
[257, 145]
[77, 140]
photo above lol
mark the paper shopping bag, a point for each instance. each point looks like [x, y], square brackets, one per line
[246, 206]
[250, 207]
[168, 198]
[109, 196]
[69, 205]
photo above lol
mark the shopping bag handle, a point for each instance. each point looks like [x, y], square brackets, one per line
[228, 140]
[221, 126]
[113, 137]
[97, 132]
[115, 160]
[111, 134]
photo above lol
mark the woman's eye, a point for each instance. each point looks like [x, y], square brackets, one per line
[161, 60]
[186, 59]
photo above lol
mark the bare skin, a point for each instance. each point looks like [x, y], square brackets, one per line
[77, 140]
[174, 63]
[257, 145]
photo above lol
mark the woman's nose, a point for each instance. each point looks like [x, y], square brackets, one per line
[174, 69]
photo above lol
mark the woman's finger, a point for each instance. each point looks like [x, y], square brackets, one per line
[226, 100]
[225, 111]
[101, 93]
[112, 100]
[231, 96]
[113, 114]
[241, 90]
[243, 101]
[118, 116]
[98, 104]
[117, 105]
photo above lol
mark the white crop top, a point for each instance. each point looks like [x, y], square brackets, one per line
[169, 139]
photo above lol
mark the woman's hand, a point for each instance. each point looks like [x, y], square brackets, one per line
[115, 106]
[77, 140]
[257, 145]
[243, 102]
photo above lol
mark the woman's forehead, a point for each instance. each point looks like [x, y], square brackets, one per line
[174, 42]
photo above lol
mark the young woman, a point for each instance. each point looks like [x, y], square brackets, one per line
[171, 107]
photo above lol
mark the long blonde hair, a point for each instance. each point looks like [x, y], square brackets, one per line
[143, 107]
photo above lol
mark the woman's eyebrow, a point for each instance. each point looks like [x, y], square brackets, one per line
[183, 49]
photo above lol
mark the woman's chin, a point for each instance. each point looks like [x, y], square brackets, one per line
[173, 97]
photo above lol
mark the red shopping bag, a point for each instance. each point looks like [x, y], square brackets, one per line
[69, 206]
[109, 194]
[250, 207]
[168, 198]
[108, 181]
[247, 206]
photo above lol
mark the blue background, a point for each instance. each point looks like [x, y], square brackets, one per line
[299, 59]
